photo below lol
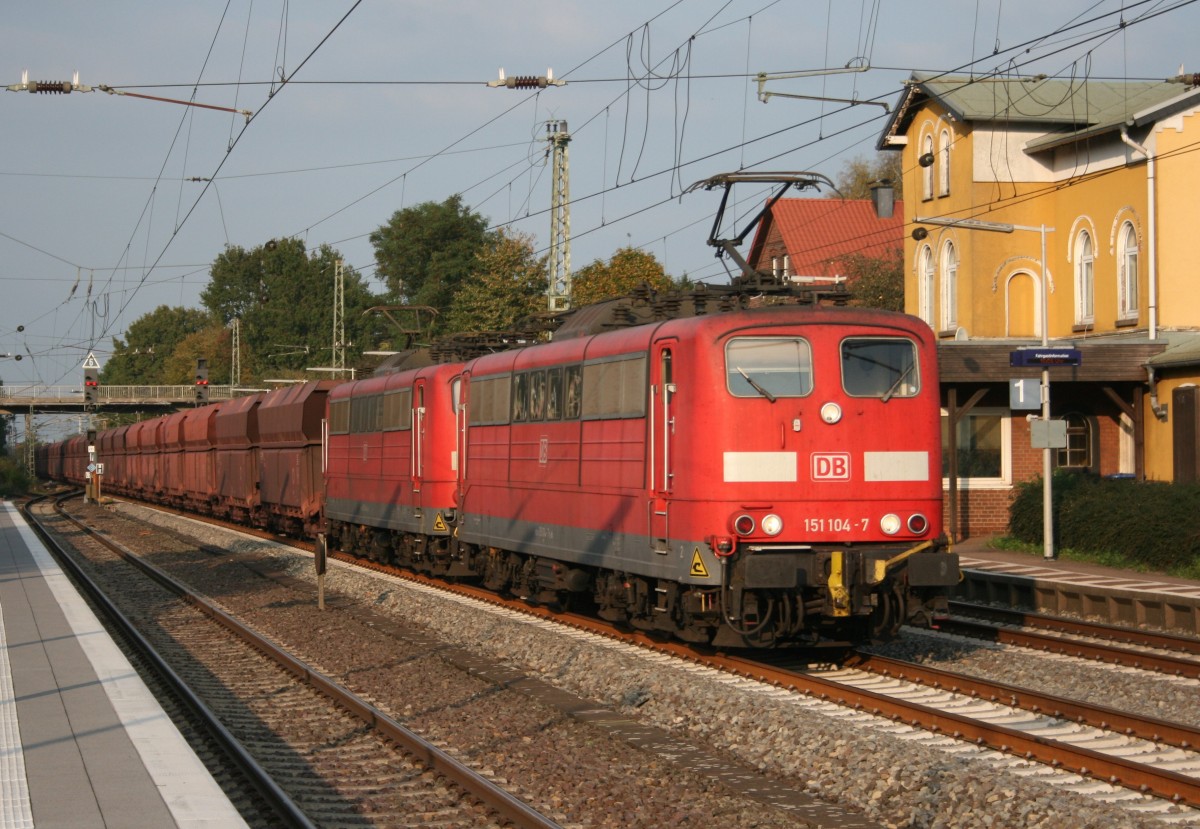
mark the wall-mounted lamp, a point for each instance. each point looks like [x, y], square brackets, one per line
[926, 160]
[919, 234]
[883, 197]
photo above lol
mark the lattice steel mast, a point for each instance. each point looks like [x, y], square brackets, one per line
[560, 216]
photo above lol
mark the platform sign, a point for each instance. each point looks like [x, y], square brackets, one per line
[1025, 357]
[1024, 395]
[1048, 434]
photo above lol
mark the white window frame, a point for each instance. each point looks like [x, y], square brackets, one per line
[927, 172]
[1085, 278]
[949, 286]
[925, 277]
[1128, 255]
[1004, 480]
[944, 163]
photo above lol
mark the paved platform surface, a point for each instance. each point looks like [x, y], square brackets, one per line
[978, 554]
[83, 742]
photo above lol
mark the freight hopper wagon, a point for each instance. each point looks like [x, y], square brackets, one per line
[764, 477]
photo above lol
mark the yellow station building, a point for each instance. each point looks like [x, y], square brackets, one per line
[1110, 171]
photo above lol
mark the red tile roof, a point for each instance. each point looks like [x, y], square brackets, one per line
[818, 232]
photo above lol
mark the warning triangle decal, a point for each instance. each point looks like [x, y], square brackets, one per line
[698, 569]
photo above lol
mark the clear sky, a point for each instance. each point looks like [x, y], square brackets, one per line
[386, 106]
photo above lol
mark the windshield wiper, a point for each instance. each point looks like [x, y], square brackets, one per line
[887, 395]
[754, 385]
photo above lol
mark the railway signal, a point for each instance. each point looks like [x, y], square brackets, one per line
[201, 380]
[91, 387]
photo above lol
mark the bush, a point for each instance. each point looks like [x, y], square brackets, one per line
[14, 480]
[1149, 524]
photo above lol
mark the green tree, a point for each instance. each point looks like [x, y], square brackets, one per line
[620, 275]
[425, 253]
[857, 174]
[149, 341]
[876, 282]
[14, 479]
[283, 296]
[508, 282]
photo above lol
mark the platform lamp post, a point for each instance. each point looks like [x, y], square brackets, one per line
[1047, 460]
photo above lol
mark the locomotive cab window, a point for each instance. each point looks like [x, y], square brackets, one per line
[768, 367]
[879, 367]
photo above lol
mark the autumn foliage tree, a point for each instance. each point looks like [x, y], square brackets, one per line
[506, 283]
[618, 276]
[876, 281]
[859, 173]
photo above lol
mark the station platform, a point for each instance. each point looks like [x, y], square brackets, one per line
[83, 742]
[1062, 586]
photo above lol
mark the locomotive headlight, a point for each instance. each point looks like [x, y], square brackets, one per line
[917, 523]
[772, 524]
[890, 523]
[744, 524]
[831, 412]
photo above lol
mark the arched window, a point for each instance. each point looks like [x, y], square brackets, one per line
[1127, 273]
[944, 163]
[925, 285]
[1085, 283]
[927, 172]
[1078, 452]
[949, 297]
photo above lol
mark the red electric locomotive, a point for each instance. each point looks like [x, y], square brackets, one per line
[762, 477]
[392, 467]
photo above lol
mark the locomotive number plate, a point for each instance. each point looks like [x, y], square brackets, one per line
[836, 525]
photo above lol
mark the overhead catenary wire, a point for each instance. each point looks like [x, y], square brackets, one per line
[678, 166]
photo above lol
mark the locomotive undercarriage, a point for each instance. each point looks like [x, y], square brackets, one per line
[766, 599]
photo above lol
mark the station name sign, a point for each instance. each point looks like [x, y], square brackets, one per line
[1045, 357]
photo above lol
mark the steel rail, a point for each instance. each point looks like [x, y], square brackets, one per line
[1173, 665]
[284, 806]
[1100, 630]
[1098, 716]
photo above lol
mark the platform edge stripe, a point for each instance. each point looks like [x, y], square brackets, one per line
[16, 812]
[184, 783]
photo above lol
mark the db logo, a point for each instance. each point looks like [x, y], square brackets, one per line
[831, 466]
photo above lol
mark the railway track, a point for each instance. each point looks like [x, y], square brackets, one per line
[1144, 755]
[701, 783]
[324, 755]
